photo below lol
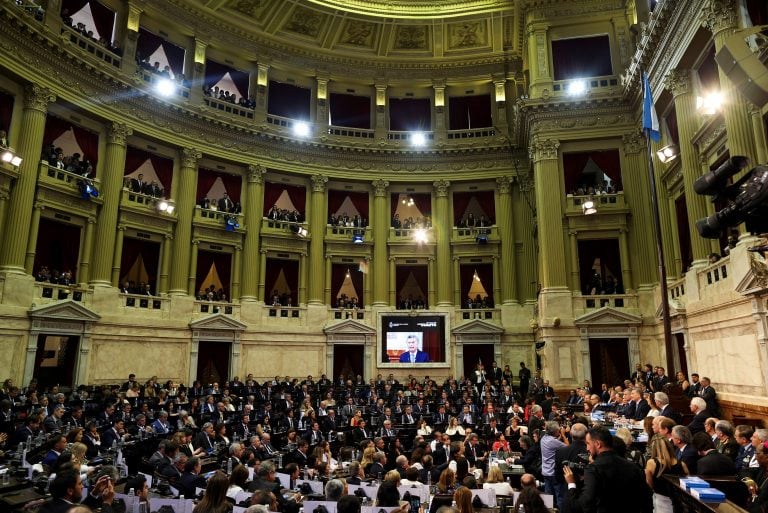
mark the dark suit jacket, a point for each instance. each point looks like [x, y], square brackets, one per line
[62, 506]
[697, 424]
[715, 464]
[376, 470]
[672, 414]
[641, 410]
[567, 453]
[137, 186]
[612, 484]
[108, 437]
[710, 396]
[188, 482]
[690, 457]
[421, 357]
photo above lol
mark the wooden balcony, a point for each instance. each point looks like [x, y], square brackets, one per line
[586, 303]
[203, 308]
[215, 219]
[64, 182]
[484, 314]
[88, 45]
[46, 293]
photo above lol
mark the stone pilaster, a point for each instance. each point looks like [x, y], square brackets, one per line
[506, 230]
[185, 208]
[165, 264]
[538, 58]
[34, 226]
[544, 153]
[442, 226]
[12, 252]
[83, 274]
[679, 83]
[111, 187]
[117, 255]
[637, 192]
[254, 209]
[192, 288]
[381, 126]
[380, 225]
[317, 217]
[441, 126]
[321, 120]
[237, 259]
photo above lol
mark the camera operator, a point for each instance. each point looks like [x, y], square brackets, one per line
[554, 439]
[611, 483]
[574, 456]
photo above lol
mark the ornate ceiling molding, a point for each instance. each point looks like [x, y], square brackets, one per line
[415, 8]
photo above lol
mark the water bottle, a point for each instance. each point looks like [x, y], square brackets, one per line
[131, 493]
[229, 466]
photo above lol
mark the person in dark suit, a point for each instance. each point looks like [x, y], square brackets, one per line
[495, 373]
[665, 410]
[58, 444]
[682, 439]
[67, 490]
[611, 483]
[710, 396]
[29, 429]
[700, 415]
[191, 479]
[641, 407]
[379, 462]
[204, 439]
[299, 456]
[138, 184]
[361, 432]
[413, 355]
[711, 462]
[113, 435]
[225, 203]
[570, 453]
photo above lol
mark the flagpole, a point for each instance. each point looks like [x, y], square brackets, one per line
[659, 245]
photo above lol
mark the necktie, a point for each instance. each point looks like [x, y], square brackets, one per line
[678, 454]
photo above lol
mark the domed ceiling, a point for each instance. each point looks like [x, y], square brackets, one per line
[379, 33]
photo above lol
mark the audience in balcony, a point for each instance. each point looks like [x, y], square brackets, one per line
[409, 303]
[598, 286]
[714, 257]
[599, 190]
[345, 220]
[345, 302]
[31, 7]
[45, 275]
[141, 186]
[411, 223]
[479, 302]
[154, 69]
[470, 221]
[82, 30]
[283, 299]
[3, 139]
[73, 164]
[282, 214]
[223, 204]
[226, 96]
[211, 294]
[142, 289]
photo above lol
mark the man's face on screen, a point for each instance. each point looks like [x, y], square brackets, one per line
[412, 343]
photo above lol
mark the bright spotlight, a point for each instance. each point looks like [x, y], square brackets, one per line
[162, 206]
[165, 87]
[418, 139]
[577, 87]
[710, 104]
[668, 153]
[420, 235]
[7, 156]
[589, 208]
[170, 209]
[301, 128]
[16, 161]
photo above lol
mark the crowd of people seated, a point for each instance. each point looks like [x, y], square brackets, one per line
[46, 275]
[470, 221]
[226, 96]
[346, 302]
[411, 303]
[411, 223]
[596, 190]
[223, 204]
[278, 299]
[598, 286]
[141, 186]
[33, 8]
[141, 289]
[81, 29]
[283, 214]
[343, 220]
[74, 163]
[144, 63]
[448, 436]
[211, 294]
[479, 302]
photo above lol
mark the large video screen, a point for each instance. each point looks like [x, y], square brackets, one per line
[412, 339]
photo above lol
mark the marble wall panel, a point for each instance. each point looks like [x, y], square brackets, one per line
[113, 360]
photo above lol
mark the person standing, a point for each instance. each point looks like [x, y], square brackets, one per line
[525, 379]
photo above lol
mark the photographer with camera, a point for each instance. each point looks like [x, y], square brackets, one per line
[575, 457]
[553, 439]
[611, 483]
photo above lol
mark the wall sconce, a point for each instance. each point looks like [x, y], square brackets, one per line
[10, 157]
[589, 207]
[166, 206]
[709, 104]
[668, 153]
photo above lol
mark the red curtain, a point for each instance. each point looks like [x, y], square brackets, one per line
[393, 199]
[134, 158]
[360, 201]
[351, 111]
[6, 111]
[164, 171]
[73, 5]
[232, 183]
[54, 127]
[581, 57]
[272, 192]
[88, 142]
[290, 269]
[57, 246]
[298, 195]
[488, 204]
[150, 255]
[609, 162]
[223, 261]
[573, 166]
[215, 72]
[338, 275]
[410, 114]
[103, 18]
[205, 179]
[460, 203]
[423, 203]
[420, 274]
[335, 199]
[289, 101]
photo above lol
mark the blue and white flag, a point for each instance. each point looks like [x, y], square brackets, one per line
[650, 119]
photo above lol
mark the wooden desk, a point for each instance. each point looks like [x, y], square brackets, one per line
[684, 502]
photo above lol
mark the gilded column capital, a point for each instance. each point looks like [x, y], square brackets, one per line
[441, 188]
[168, 236]
[543, 149]
[118, 133]
[318, 183]
[263, 251]
[189, 157]
[91, 220]
[720, 15]
[256, 173]
[380, 187]
[37, 98]
[504, 184]
[238, 247]
[121, 227]
[633, 143]
[678, 81]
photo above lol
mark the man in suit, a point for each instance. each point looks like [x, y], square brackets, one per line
[314, 436]
[710, 396]
[659, 380]
[299, 456]
[191, 479]
[641, 406]
[495, 373]
[412, 354]
[408, 417]
[204, 439]
[695, 387]
[441, 417]
[361, 432]
[58, 444]
[173, 472]
[52, 422]
[67, 490]
[113, 435]
[377, 468]
[330, 421]
[386, 430]
[161, 425]
[490, 414]
[242, 428]
[466, 418]
[665, 410]
[442, 452]
[711, 462]
[682, 439]
[225, 203]
[700, 415]
[473, 452]
[571, 453]
[164, 454]
[138, 184]
[611, 482]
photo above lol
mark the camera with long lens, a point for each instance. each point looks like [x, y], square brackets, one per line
[578, 465]
[746, 199]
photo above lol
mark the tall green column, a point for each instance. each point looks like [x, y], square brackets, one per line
[549, 213]
[192, 288]
[117, 254]
[254, 207]
[83, 275]
[237, 259]
[111, 186]
[185, 206]
[721, 17]
[443, 228]
[679, 82]
[261, 294]
[165, 264]
[317, 219]
[34, 227]
[14, 247]
[506, 228]
[380, 224]
[637, 191]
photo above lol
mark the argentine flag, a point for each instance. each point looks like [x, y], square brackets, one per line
[650, 119]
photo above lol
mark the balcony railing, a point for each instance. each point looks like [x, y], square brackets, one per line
[89, 45]
[276, 226]
[214, 307]
[408, 234]
[593, 84]
[605, 203]
[360, 133]
[716, 275]
[346, 233]
[284, 312]
[280, 121]
[215, 218]
[472, 133]
[593, 302]
[485, 314]
[142, 302]
[50, 293]
[143, 202]
[62, 180]
[407, 136]
[152, 79]
[471, 234]
[343, 314]
[229, 108]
